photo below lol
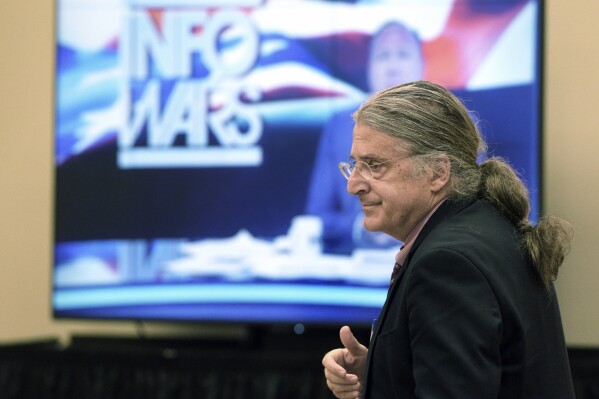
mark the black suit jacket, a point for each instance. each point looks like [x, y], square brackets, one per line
[468, 318]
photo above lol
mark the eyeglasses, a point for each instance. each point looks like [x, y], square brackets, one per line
[369, 171]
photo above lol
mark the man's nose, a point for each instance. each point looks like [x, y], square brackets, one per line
[356, 183]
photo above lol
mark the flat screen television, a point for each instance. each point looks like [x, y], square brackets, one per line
[197, 142]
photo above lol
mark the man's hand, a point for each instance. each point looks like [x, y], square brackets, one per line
[344, 367]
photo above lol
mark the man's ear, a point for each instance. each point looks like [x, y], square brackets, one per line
[441, 173]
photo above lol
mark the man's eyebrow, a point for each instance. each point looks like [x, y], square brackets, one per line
[370, 157]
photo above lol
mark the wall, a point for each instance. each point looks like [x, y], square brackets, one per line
[571, 164]
[26, 67]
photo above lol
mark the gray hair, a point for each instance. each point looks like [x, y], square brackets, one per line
[429, 122]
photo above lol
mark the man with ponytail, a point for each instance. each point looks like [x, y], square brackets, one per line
[471, 311]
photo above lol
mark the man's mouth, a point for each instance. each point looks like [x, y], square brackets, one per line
[370, 204]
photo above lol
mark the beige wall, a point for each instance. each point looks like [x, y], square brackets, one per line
[571, 164]
[26, 40]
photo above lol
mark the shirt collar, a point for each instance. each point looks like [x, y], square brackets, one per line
[401, 256]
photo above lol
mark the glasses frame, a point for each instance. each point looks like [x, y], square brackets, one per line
[348, 168]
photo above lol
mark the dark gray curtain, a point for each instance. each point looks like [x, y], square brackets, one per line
[44, 370]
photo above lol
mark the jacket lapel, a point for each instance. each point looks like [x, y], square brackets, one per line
[447, 209]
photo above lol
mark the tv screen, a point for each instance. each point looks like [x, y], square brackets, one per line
[197, 143]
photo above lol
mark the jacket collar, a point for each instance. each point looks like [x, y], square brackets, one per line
[447, 209]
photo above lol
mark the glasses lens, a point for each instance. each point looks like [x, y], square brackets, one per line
[364, 170]
[346, 169]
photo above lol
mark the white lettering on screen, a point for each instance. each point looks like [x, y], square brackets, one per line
[166, 101]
